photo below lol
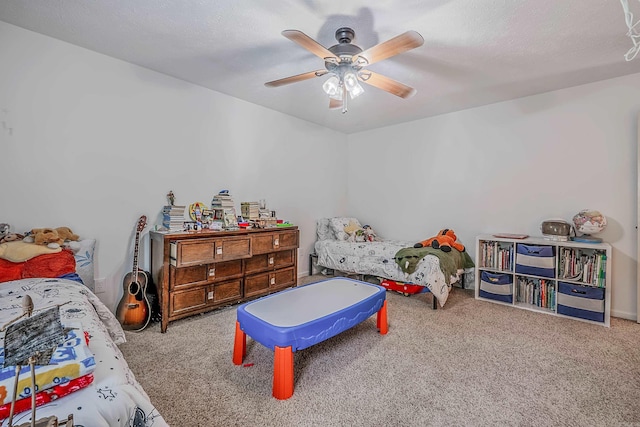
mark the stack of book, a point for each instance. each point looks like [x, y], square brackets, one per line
[173, 217]
[250, 210]
[222, 200]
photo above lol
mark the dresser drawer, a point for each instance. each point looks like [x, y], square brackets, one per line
[206, 251]
[263, 283]
[233, 248]
[258, 284]
[225, 291]
[180, 278]
[225, 270]
[283, 279]
[269, 261]
[181, 301]
[275, 241]
[192, 252]
[185, 277]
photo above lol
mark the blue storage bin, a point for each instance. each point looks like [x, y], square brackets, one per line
[496, 286]
[535, 260]
[585, 302]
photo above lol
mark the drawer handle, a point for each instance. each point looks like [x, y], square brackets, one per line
[576, 291]
[212, 272]
[276, 242]
[210, 295]
[219, 250]
[273, 280]
[271, 260]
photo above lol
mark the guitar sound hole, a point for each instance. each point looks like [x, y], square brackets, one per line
[134, 289]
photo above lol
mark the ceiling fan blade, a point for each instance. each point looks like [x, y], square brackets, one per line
[308, 43]
[387, 84]
[402, 43]
[334, 104]
[296, 78]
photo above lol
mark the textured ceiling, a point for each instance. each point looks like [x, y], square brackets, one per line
[475, 52]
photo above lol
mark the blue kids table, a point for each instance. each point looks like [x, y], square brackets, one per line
[300, 317]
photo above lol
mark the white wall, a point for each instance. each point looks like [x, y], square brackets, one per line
[92, 143]
[507, 167]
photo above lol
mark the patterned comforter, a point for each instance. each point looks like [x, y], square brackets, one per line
[114, 397]
[377, 259]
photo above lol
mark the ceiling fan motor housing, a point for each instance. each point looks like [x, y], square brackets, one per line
[345, 35]
[344, 49]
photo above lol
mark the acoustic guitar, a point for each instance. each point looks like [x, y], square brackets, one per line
[134, 309]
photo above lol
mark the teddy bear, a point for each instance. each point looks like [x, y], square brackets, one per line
[46, 236]
[66, 234]
[445, 240]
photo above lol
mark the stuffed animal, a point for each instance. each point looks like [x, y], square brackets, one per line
[445, 240]
[352, 229]
[66, 234]
[369, 234]
[11, 237]
[45, 236]
[5, 232]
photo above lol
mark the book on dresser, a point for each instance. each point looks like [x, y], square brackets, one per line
[563, 278]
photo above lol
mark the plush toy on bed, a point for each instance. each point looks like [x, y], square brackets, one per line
[6, 235]
[51, 237]
[369, 234]
[353, 230]
[45, 237]
[11, 237]
[445, 240]
[67, 235]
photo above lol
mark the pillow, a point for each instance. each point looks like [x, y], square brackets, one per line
[337, 225]
[84, 250]
[323, 231]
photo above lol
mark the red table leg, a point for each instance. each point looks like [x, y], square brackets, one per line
[282, 373]
[239, 345]
[382, 319]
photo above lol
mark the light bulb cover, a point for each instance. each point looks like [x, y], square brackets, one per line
[332, 86]
[352, 85]
[355, 91]
[338, 94]
[350, 80]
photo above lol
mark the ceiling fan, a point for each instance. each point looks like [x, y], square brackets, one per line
[345, 64]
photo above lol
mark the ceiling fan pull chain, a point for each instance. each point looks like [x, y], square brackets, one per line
[344, 100]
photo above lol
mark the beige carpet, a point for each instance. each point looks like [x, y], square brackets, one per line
[471, 363]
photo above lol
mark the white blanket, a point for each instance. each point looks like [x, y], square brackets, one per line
[377, 259]
[115, 398]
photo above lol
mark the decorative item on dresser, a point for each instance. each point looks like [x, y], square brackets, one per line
[198, 271]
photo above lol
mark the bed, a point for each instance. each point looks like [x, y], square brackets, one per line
[93, 382]
[435, 270]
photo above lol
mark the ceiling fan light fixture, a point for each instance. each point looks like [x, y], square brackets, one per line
[352, 85]
[338, 94]
[344, 64]
[332, 87]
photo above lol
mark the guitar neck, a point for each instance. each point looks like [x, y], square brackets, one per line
[135, 256]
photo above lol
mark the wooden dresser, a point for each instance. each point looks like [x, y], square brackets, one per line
[201, 270]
